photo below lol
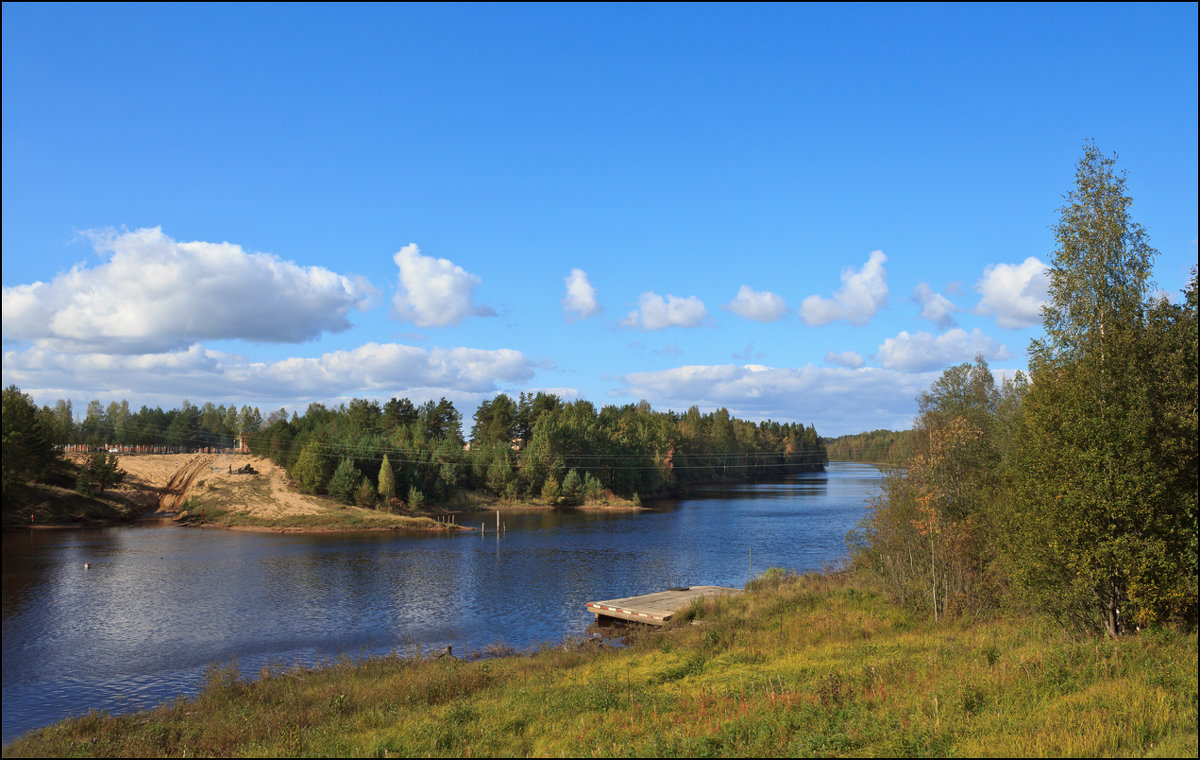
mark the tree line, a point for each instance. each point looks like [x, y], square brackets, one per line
[188, 428]
[537, 446]
[404, 455]
[1072, 491]
[889, 447]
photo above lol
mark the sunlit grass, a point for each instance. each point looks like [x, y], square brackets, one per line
[813, 665]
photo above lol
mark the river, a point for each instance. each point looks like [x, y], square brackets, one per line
[159, 603]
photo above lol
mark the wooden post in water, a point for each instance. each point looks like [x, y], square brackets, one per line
[497, 522]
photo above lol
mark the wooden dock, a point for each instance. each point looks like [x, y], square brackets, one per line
[654, 609]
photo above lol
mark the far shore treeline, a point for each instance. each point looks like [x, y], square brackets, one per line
[883, 447]
[403, 454]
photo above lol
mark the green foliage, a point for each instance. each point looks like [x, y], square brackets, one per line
[344, 480]
[1074, 494]
[571, 493]
[387, 480]
[500, 472]
[1104, 535]
[593, 490]
[416, 499]
[495, 422]
[892, 447]
[98, 472]
[364, 494]
[516, 446]
[931, 532]
[551, 490]
[309, 470]
[28, 453]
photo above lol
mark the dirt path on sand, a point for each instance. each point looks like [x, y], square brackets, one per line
[167, 480]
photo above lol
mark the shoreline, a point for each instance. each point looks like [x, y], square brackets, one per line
[798, 665]
[204, 490]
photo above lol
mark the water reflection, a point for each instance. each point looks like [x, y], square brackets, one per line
[161, 603]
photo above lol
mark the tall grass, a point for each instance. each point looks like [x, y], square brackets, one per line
[808, 665]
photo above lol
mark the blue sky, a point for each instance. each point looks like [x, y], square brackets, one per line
[797, 212]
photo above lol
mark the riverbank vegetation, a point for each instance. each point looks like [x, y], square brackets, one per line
[401, 457]
[40, 487]
[1072, 492]
[797, 666]
[882, 447]
[1025, 584]
[535, 449]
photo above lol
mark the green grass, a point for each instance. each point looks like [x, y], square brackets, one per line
[798, 666]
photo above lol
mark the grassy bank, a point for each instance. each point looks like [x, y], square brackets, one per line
[801, 666]
[334, 519]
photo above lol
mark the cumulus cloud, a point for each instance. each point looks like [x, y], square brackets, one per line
[761, 306]
[934, 306]
[152, 293]
[654, 312]
[849, 359]
[862, 294]
[921, 351]
[385, 368]
[836, 400]
[1014, 293]
[580, 301]
[434, 292]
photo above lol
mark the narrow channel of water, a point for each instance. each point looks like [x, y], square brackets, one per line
[161, 603]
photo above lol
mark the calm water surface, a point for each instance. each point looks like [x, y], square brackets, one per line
[160, 603]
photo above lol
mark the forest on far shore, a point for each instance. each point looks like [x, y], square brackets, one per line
[403, 455]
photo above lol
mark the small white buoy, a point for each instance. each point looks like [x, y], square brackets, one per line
[87, 565]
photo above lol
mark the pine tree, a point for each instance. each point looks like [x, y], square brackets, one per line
[343, 481]
[309, 470]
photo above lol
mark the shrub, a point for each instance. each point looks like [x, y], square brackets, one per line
[364, 495]
[416, 499]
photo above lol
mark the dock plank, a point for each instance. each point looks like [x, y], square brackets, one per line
[656, 608]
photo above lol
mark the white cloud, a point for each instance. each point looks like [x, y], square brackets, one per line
[848, 359]
[434, 292]
[835, 400]
[152, 293]
[1014, 293]
[921, 351]
[761, 306]
[862, 294]
[654, 312]
[934, 306]
[580, 301]
[196, 372]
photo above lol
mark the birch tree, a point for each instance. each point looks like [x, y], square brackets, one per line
[1099, 531]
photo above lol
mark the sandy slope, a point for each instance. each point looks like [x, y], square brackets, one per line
[166, 480]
